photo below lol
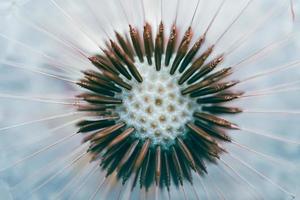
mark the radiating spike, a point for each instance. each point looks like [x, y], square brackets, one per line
[177, 165]
[214, 88]
[210, 151]
[111, 153]
[127, 155]
[87, 126]
[103, 83]
[135, 38]
[213, 131]
[95, 108]
[200, 166]
[217, 76]
[99, 99]
[133, 70]
[186, 152]
[94, 74]
[145, 167]
[191, 54]
[220, 98]
[117, 64]
[102, 63]
[182, 50]
[148, 42]
[186, 167]
[197, 64]
[222, 109]
[157, 164]
[129, 168]
[142, 154]
[215, 120]
[200, 132]
[117, 50]
[167, 174]
[116, 80]
[159, 46]
[111, 163]
[171, 45]
[107, 131]
[206, 69]
[196, 87]
[120, 138]
[125, 45]
[223, 73]
[126, 59]
[95, 88]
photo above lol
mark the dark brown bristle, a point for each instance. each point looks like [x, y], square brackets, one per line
[136, 41]
[206, 81]
[132, 68]
[107, 131]
[127, 155]
[191, 54]
[186, 152]
[195, 66]
[201, 133]
[182, 50]
[116, 80]
[99, 99]
[103, 83]
[103, 64]
[159, 47]
[148, 43]
[120, 138]
[157, 164]
[222, 109]
[117, 50]
[126, 59]
[215, 120]
[95, 88]
[112, 151]
[213, 130]
[117, 64]
[219, 98]
[219, 74]
[215, 88]
[145, 169]
[142, 154]
[125, 45]
[206, 69]
[96, 125]
[167, 173]
[95, 108]
[177, 165]
[171, 45]
[199, 159]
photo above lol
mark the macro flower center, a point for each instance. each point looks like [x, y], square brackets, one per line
[156, 107]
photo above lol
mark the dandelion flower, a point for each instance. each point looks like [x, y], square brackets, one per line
[145, 99]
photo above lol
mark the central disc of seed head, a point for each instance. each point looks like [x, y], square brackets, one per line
[156, 108]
